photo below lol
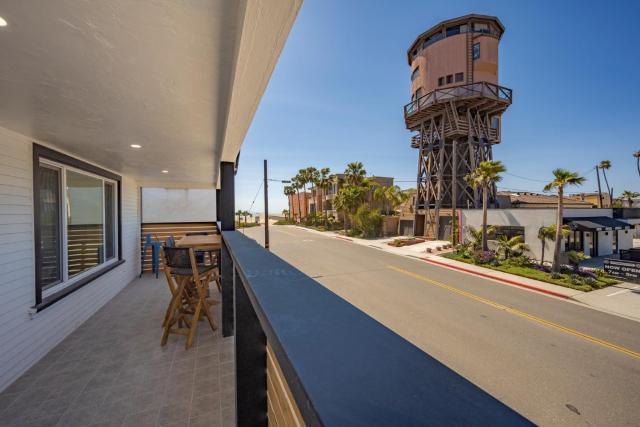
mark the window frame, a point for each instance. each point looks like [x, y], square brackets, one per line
[51, 158]
[461, 77]
[474, 57]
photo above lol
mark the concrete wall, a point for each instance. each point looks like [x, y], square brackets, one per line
[605, 242]
[585, 212]
[25, 337]
[530, 219]
[625, 239]
[178, 205]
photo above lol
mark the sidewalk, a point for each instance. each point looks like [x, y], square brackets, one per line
[622, 299]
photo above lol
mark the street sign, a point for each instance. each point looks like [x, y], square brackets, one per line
[622, 269]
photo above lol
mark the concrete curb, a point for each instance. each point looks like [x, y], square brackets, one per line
[500, 279]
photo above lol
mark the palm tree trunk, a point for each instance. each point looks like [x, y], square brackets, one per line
[324, 205]
[485, 196]
[638, 164]
[606, 181]
[544, 243]
[298, 197]
[558, 242]
[599, 189]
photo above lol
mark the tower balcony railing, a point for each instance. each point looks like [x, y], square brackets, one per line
[472, 90]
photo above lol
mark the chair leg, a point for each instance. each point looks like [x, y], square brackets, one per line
[194, 325]
[174, 315]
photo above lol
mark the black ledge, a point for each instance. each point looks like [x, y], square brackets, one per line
[344, 367]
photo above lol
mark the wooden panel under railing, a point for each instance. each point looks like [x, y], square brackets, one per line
[161, 231]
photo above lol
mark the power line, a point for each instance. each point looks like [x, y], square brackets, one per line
[256, 196]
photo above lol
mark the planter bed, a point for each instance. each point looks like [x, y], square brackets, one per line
[398, 243]
[532, 273]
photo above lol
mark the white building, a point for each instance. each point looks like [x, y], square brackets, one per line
[593, 231]
[99, 100]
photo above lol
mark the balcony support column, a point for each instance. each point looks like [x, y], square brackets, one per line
[226, 209]
[251, 362]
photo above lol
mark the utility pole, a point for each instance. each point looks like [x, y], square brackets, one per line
[266, 207]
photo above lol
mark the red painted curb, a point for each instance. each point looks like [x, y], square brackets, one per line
[343, 238]
[500, 279]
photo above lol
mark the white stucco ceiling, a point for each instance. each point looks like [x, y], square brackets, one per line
[182, 78]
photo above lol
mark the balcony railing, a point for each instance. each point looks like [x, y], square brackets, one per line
[480, 89]
[305, 354]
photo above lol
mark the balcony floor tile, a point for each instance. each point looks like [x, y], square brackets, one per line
[112, 371]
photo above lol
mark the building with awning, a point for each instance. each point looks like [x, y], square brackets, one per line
[596, 232]
[598, 235]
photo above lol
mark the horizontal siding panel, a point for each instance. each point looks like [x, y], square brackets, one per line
[15, 190]
[15, 200]
[25, 338]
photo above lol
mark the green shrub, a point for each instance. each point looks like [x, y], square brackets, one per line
[600, 273]
[519, 261]
[368, 221]
[556, 276]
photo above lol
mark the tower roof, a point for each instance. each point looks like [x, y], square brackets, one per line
[449, 22]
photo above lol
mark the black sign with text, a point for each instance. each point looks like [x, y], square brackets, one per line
[626, 270]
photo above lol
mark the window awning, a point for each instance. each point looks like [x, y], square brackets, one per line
[596, 223]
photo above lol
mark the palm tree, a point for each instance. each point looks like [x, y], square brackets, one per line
[303, 180]
[313, 175]
[324, 180]
[637, 156]
[562, 178]
[347, 201]
[604, 166]
[289, 191]
[391, 197]
[508, 246]
[629, 195]
[295, 183]
[239, 215]
[476, 235]
[485, 176]
[285, 212]
[355, 174]
[544, 234]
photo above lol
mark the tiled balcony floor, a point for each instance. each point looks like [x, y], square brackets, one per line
[112, 371]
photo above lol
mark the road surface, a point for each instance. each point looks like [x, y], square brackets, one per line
[554, 361]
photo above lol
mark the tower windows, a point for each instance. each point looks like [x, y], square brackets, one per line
[459, 77]
[440, 81]
[415, 74]
[476, 51]
[450, 79]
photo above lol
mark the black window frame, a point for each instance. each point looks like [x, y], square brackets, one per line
[459, 77]
[42, 152]
[440, 81]
[449, 79]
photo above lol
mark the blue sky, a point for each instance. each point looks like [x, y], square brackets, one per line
[337, 92]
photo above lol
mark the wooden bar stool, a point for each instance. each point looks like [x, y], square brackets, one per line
[189, 284]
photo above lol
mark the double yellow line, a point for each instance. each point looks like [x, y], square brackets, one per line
[519, 313]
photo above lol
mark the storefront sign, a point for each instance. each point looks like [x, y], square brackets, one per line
[625, 270]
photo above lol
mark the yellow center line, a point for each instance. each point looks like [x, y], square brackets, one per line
[518, 313]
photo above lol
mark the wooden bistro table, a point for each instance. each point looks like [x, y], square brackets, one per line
[211, 242]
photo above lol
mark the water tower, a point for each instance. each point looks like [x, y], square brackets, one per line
[455, 114]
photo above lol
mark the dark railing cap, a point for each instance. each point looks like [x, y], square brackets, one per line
[344, 367]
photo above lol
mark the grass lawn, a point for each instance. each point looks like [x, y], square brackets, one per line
[532, 273]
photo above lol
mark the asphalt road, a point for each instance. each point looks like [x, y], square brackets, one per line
[554, 361]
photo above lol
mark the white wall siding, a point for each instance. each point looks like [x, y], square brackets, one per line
[25, 338]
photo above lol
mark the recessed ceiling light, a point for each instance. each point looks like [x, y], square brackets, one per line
[3, 23]
[135, 146]
[165, 171]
